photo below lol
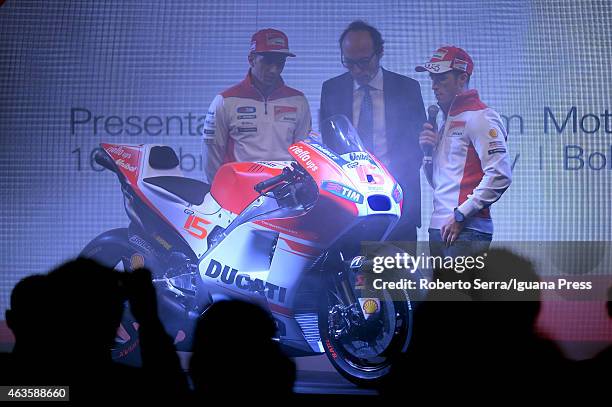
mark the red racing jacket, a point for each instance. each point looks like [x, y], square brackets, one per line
[471, 165]
[243, 125]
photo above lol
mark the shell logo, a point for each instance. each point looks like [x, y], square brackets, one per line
[370, 307]
[492, 133]
[137, 261]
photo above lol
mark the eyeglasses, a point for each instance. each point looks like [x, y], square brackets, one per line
[361, 63]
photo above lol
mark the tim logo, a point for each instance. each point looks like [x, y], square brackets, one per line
[343, 191]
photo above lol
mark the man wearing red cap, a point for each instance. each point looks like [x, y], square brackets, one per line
[260, 117]
[470, 168]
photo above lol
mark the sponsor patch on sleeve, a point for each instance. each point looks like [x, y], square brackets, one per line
[497, 150]
[492, 133]
[210, 125]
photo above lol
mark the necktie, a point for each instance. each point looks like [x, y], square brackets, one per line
[366, 119]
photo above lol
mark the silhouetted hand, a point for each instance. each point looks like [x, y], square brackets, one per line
[141, 296]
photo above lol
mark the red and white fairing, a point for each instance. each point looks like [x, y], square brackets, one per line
[192, 222]
[264, 259]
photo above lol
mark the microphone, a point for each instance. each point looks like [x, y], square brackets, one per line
[432, 113]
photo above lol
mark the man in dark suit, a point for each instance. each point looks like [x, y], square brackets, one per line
[386, 109]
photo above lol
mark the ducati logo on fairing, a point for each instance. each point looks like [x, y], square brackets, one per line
[229, 275]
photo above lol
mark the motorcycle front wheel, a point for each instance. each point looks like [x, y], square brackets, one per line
[365, 354]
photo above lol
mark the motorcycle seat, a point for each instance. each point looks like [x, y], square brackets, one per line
[188, 189]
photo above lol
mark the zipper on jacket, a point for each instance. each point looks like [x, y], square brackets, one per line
[444, 127]
[265, 98]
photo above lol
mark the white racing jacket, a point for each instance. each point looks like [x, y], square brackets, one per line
[242, 125]
[471, 165]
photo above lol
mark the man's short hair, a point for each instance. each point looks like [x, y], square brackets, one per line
[360, 25]
[456, 73]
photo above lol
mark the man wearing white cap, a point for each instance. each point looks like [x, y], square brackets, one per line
[470, 167]
[260, 117]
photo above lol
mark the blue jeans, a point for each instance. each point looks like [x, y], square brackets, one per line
[470, 242]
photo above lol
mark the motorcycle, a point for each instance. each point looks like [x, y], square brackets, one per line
[284, 235]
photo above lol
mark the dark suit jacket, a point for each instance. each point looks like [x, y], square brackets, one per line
[404, 115]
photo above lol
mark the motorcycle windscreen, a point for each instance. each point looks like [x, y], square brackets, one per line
[326, 160]
[340, 136]
[363, 168]
[342, 157]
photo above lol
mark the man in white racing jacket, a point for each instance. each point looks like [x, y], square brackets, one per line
[470, 167]
[260, 117]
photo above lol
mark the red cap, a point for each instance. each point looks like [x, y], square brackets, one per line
[446, 59]
[270, 40]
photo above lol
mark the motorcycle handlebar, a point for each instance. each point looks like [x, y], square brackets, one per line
[263, 185]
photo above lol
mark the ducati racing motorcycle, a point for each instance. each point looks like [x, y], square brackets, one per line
[284, 235]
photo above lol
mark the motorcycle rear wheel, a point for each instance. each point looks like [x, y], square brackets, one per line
[112, 249]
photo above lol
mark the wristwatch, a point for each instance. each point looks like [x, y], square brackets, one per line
[459, 217]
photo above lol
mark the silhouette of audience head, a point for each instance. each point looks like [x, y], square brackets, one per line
[27, 316]
[234, 355]
[488, 340]
[87, 300]
[64, 323]
[509, 307]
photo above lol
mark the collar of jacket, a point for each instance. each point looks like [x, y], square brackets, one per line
[256, 93]
[465, 102]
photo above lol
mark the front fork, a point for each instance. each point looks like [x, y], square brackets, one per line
[346, 314]
[345, 292]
